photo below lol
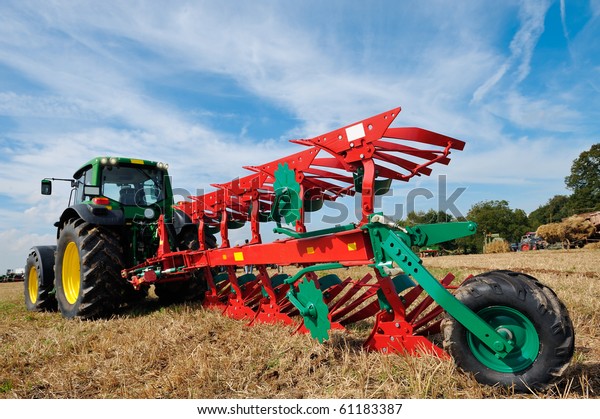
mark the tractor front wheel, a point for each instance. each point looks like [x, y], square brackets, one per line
[87, 269]
[525, 312]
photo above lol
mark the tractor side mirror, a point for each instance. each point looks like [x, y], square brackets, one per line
[46, 187]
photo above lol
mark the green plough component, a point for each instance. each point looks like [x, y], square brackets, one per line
[316, 233]
[406, 259]
[287, 195]
[309, 301]
[430, 234]
[393, 244]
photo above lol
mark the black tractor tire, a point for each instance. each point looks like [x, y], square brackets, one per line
[505, 298]
[38, 282]
[194, 288]
[88, 270]
[187, 239]
[175, 292]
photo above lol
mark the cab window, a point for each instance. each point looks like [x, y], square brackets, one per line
[132, 185]
[83, 177]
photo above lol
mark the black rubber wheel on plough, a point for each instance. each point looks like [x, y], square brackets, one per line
[39, 279]
[88, 270]
[526, 312]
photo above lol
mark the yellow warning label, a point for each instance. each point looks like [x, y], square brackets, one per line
[238, 256]
[310, 250]
[224, 257]
[136, 161]
[351, 247]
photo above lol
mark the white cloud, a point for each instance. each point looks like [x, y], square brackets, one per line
[563, 19]
[20, 106]
[536, 114]
[489, 83]
[531, 15]
[14, 245]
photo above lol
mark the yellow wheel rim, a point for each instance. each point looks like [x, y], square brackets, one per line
[71, 273]
[32, 285]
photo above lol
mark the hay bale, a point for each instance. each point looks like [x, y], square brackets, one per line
[578, 228]
[570, 230]
[497, 246]
[593, 246]
[552, 233]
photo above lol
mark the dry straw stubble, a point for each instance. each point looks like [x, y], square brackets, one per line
[185, 351]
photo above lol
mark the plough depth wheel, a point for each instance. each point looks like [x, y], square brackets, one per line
[526, 313]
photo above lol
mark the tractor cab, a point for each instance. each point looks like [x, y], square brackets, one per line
[124, 195]
[130, 189]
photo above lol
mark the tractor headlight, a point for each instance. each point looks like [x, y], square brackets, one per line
[103, 160]
[113, 160]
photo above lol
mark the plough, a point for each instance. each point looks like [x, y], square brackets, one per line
[504, 327]
[122, 233]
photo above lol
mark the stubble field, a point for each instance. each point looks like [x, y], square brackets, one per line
[185, 351]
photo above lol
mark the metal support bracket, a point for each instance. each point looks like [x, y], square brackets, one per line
[398, 251]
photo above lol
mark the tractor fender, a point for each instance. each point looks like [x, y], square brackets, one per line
[180, 220]
[45, 255]
[93, 215]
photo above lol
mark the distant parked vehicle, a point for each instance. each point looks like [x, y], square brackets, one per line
[531, 241]
[13, 275]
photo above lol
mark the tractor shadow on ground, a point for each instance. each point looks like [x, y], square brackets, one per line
[151, 305]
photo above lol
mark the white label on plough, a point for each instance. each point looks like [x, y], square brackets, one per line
[355, 132]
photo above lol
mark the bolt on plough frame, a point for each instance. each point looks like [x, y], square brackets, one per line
[502, 326]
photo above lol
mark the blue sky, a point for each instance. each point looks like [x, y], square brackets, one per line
[209, 86]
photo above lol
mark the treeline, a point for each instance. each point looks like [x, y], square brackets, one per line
[511, 224]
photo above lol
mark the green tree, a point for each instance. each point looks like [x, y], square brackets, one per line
[430, 217]
[494, 217]
[584, 181]
[553, 211]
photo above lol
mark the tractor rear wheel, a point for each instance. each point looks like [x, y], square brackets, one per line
[88, 270]
[528, 314]
[39, 279]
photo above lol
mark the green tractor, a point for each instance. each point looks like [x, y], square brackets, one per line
[110, 224]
